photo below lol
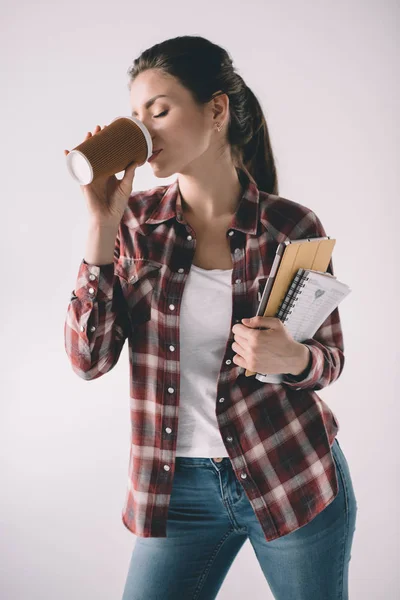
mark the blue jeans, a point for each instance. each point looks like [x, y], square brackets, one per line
[210, 518]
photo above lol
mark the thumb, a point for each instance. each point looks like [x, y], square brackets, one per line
[249, 322]
[129, 173]
[258, 322]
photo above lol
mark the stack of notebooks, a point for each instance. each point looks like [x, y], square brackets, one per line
[299, 291]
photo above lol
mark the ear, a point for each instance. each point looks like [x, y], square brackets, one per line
[220, 107]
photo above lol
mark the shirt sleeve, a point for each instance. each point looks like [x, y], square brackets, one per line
[326, 347]
[97, 323]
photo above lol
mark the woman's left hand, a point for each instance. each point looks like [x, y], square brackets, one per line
[272, 350]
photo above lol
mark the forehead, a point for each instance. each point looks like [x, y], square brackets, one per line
[149, 83]
[152, 83]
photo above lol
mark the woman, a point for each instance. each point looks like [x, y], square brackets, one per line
[175, 270]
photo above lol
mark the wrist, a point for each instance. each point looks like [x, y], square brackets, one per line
[300, 360]
[104, 226]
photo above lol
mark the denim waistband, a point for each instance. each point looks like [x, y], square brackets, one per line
[199, 461]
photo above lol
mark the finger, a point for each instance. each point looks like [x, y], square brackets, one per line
[239, 360]
[238, 348]
[242, 331]
[242, 342]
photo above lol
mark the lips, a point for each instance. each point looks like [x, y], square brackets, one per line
[156, 153]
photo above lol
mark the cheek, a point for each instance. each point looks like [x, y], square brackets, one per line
[188, 134]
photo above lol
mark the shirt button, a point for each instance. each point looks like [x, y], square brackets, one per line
[172, 348]
[238, 281]
[229, 438]
[166, 467]
[189, 237]
[237, 250]
[91, 291]
[243, 475]
[171, 307]
[231, 232]
[181, 270]
[93, 328]
[237, 320]
[221, 400]
[168, 429]
[91, 277]
[171, 390]
[82, 328]
[228, 362]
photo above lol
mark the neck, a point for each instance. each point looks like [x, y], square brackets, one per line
[214, 194]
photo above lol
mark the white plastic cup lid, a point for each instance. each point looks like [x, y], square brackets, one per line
[79, 166]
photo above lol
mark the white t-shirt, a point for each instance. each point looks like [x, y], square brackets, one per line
[205, 323]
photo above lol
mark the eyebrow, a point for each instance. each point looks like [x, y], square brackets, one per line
[151, 101]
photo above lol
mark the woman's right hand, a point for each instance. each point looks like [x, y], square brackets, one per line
[107, 197]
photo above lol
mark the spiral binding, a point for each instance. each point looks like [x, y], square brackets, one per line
[289, 302]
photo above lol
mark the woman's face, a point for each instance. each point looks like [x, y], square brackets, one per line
[183, 130]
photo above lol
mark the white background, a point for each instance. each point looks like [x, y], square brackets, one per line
[325, 74]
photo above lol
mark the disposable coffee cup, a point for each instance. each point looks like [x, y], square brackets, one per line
[124, 141]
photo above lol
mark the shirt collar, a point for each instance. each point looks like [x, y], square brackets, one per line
[245, 218]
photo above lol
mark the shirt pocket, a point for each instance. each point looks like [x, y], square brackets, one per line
[138, 278]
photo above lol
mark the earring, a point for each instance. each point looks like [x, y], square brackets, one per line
[219, 127]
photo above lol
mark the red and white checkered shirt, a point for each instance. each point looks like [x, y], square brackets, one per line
[278, 436]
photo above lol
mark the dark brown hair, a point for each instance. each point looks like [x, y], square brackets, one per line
[205, 68]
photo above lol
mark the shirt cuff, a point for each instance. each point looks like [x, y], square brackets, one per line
[94, 282]
[304, 378]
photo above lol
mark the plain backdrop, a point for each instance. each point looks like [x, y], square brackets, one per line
[326, 74]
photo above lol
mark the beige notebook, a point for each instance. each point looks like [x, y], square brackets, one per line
[292, 255]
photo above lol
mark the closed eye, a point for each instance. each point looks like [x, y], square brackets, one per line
[165, 112]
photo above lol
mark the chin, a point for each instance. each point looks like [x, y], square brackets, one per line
[162, 172]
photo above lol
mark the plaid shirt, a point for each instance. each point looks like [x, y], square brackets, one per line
[277, 436]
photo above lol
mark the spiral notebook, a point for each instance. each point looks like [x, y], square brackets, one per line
[297, 275]
[315, 295]
[312, 297]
